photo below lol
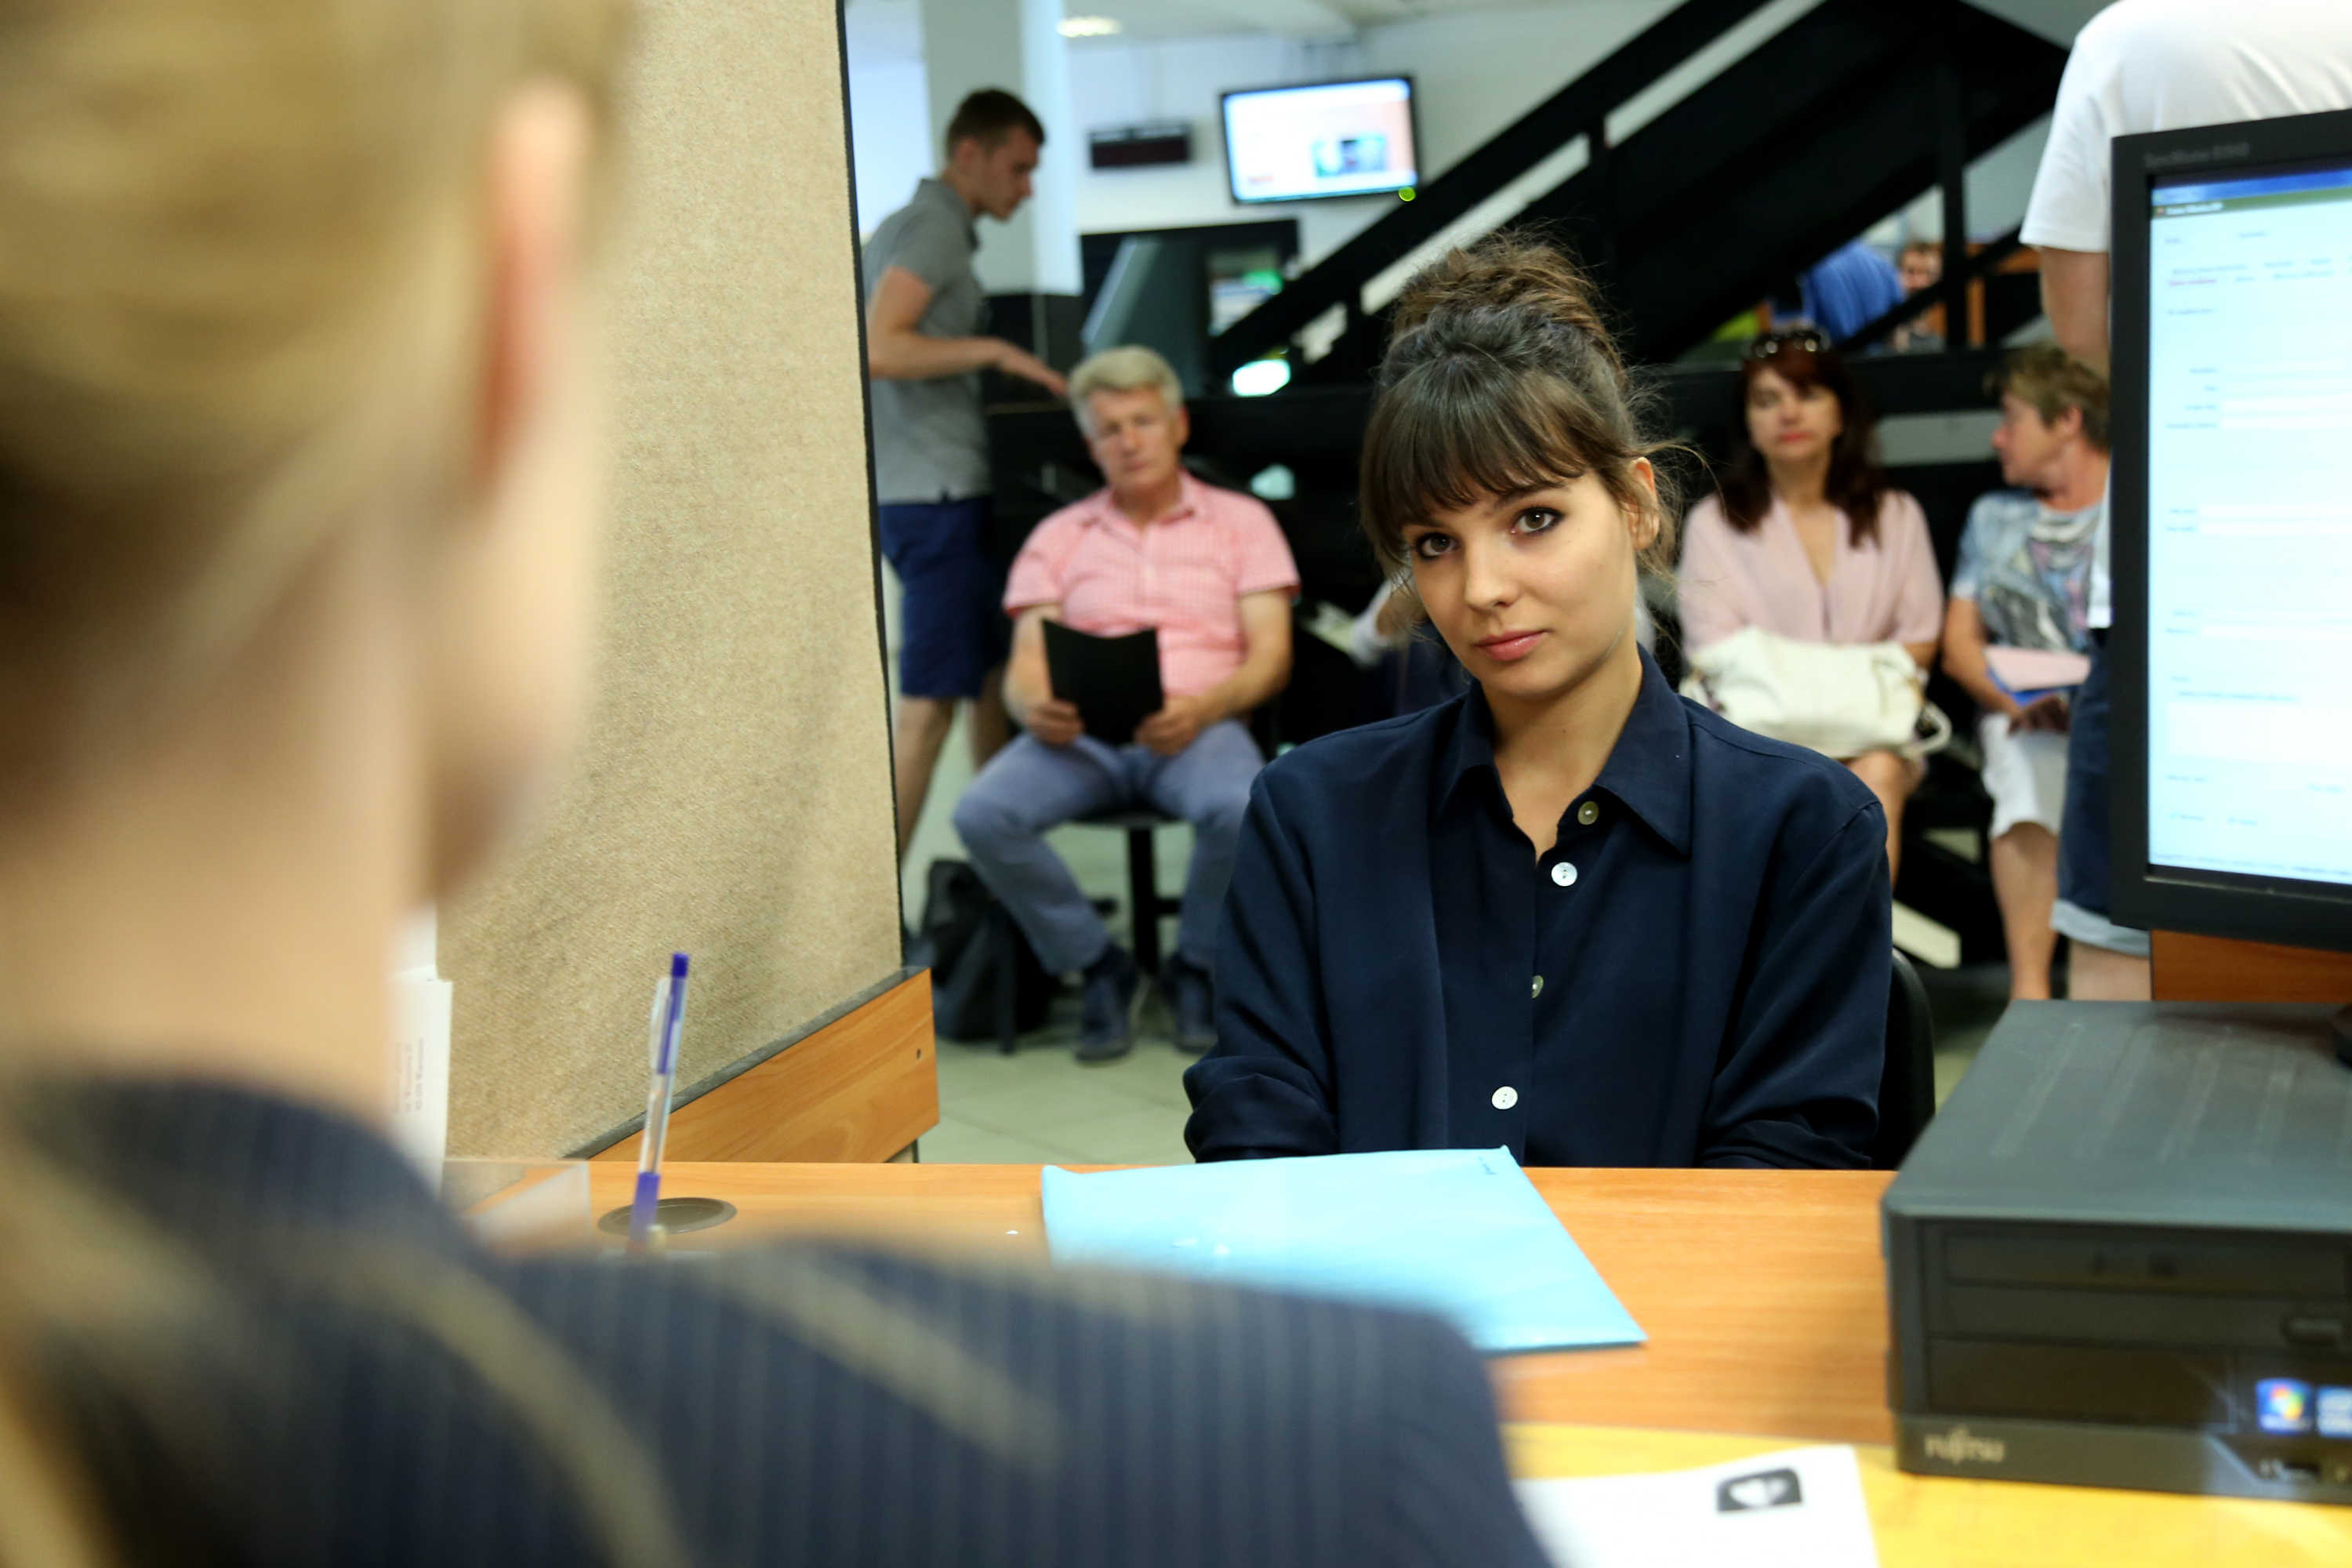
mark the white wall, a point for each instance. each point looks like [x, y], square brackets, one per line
[1474, 73]
[890, 106]
[893, 134]
[1016, 45]
[1113, 84]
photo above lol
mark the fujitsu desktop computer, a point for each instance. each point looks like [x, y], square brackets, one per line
[2121, 1255]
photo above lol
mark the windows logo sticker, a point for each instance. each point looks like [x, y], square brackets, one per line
[2283, 1404]
[1766, 1488]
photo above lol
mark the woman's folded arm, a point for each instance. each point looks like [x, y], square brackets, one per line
[1798, 1082]
[1266, 1088]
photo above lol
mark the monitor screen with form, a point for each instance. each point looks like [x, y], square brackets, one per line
[2249, 505]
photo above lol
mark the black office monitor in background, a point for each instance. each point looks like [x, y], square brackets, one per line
[2230, 657]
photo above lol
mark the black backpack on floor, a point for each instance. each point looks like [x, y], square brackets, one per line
[973, 943]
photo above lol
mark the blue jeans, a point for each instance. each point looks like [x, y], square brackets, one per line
[1029, 787]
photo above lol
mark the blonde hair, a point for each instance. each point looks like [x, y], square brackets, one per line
[235, 294]
[1128, 369]
[239, 242]
[2051, 381]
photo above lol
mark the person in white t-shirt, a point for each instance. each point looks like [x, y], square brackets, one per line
[2140, 65]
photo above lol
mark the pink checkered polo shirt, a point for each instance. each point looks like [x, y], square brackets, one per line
[1185, 573]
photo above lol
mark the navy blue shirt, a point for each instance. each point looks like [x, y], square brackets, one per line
[1694, 975]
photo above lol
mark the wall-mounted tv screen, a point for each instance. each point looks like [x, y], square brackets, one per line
[1330, 139]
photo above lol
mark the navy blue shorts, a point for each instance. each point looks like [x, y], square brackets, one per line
[2083, 853]
[2085, 856]
[953, 617]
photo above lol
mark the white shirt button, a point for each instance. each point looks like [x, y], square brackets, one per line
[1588, 814]
[1539, 990]
[1564, 874]
[1505, 1098]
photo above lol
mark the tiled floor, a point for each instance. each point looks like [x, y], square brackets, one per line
[1042, 1106]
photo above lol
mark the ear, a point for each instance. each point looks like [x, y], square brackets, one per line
[504, 634]
[1650, 518]
[2068, 424]
[537, 159]
[1181, 423]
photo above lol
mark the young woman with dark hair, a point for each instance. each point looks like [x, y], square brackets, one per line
[1806, 541]
[1569, 911]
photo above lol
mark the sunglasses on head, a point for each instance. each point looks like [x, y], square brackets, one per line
[1809, 339]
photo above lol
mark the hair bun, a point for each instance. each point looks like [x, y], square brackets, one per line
[1503, 289]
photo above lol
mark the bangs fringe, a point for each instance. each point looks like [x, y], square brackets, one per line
[1451, 433]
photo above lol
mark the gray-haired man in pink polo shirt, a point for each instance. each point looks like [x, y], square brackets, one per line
[1210, 570]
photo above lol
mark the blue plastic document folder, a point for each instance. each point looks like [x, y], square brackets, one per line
[1456, 1231]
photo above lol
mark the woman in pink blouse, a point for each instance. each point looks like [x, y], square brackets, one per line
[1805, 540]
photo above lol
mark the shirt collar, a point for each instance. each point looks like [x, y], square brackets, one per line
[1188, 504]
[1648, 772]
[932, 189]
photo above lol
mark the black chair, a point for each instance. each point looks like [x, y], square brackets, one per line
[1906, 1084]
[1146, 908]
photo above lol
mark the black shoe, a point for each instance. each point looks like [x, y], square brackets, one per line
[1194, 999]
[1107, 1015]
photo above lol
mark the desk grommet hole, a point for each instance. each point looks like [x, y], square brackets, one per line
[674, 1216]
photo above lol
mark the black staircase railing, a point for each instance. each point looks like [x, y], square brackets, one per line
[1845, 114]
[1580, 109]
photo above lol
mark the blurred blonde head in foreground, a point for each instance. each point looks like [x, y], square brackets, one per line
[296, 523]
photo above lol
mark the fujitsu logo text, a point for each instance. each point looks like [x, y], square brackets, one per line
[1959, 1447]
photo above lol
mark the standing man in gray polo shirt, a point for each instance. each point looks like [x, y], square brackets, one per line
[924, 311]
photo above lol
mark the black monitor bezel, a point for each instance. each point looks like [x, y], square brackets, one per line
[1412, 115]
[2210, 903]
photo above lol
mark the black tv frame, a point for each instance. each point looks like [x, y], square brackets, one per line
[2297, 914]
[1412, 115]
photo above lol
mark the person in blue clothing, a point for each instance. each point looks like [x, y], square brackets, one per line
[1568, 911]
[1850, 287]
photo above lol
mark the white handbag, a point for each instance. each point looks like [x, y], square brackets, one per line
[1839, 699]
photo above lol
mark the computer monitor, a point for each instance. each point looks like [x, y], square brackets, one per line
[2231, 529]
[1324, 139]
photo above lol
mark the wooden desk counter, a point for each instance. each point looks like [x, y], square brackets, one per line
[1761, 1291]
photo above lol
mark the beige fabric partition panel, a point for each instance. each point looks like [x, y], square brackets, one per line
[732, 798]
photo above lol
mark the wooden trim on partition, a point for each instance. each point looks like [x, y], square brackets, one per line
[860, 1087]
[2186, 968]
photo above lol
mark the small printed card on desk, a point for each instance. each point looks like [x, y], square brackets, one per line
[1799, 1508]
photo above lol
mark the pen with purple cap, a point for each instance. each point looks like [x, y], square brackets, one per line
[669, 1016]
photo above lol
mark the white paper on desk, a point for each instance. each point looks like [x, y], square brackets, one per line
[1797, 1507]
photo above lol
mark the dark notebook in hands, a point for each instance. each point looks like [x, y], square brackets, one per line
[1113, 681]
